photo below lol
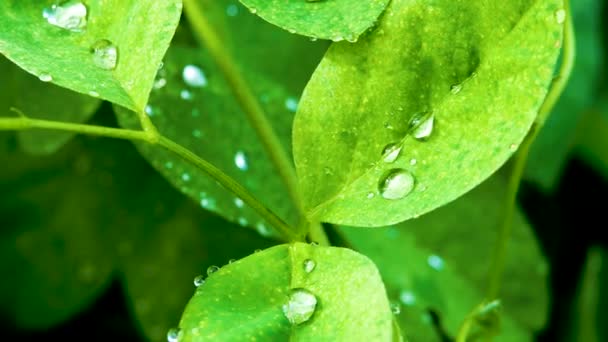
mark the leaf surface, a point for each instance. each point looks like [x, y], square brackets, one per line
[335, 20]
[140, 30]
[244, 300]
[479, 68]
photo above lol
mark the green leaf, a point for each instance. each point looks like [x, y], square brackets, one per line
[555, 141]
[207, 120]
[244, 300]
[140, 30]
[336, 20]
[40, 100]
[440, 262]
[481, 69]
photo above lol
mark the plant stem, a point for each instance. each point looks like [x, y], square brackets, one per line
[316, 233]
[245, 97]
[25, 123]
[557, 86]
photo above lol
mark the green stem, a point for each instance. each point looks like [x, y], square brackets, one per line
[519, 163]
[25, 123]
[245, 97]
[316, 233]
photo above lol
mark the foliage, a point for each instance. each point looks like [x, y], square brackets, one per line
[365, 143]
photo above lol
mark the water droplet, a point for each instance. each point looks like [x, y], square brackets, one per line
[169, 165]
[300, 306]
[413, 162]
[338, 38]
[407, 297]
[422, 125]
[94, 93]
[159, 82]
[194, 76]
[313, 39]
[435, 262]
[241, 161]
[513, 147]
[238, 202]
[396, 184]
[291, 103]
[560, 16]
[69, 15]
[199, 280]
[253, 10]
[456, 88]
[173, 335]
[263, 230]
[370, 195]
[212, 269]
[149, 110]
[45, 77]
[186, 177]
[396, 308]
[185, 94]
[242, 221]
[309, 265]
[197, 133]
[391, 152]
[105, 54]
[232, 10]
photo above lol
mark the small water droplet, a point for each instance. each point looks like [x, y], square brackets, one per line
[407, 297]
[199, 280]
[159, 82]
[238, 202]
[105, 54]
[338, 38]
[69, 15]
[263, 230]
[94, 93]
[186, 177]
[300, 307]
[253, 10]
[173, 335]
[391, 152]
[560, 16]
[309, 265]
[396, 184]
[185, 94]
[513, 147]
[291, 103]
[45, 77]
[435, 262]
[456, 88]
[370, 195]
[169, 165]
[242, 221]
[421, 125]
[197, 133]
[241, 161]
[212, 269]
[232, 10]
[395, 308]
[313, 39]
[413, 162]
[149, 110]
[194, 76]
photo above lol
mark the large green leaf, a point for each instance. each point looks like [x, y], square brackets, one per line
[140, 30]
[479, 68]
[326, 19]
[40, 100]
[207, 120]
[551, 148]
[441, 261]
[341, 298]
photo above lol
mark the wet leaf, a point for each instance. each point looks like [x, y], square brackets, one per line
[334, 19]
[440, 262]
[479, 69]
[252, 292]
[76, 51]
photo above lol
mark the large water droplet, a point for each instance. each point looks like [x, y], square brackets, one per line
[391, 152]
[212, 269]
[69, 15]
[105, 54]
[45, 77]
[309, 265]
[241, 161]
[421, 125]
[396, 184]
[194, 76]
[199, 280]
[300, 306]
[560, 16]
[173, 335]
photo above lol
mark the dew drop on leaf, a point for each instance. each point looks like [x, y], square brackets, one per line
[370, 195]
[173, 335]
[456, 88]
[309, 265]
[407, 297]
[185, 94]
[69, 15]
[212, 269]
[45, 77]
[241, 161]
[422, 126]
[186, 177]
[199, 280]
[300, 306]
[263, 230]
[396, 184]
[105, 54]
[395, 308]
[560, 16]
[291, 103]
[194, 76]
[253, 10]
[391, 152]
[435, 262]
[238, 202]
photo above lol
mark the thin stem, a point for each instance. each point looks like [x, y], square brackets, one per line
[25, 123]
[316, 233]
[147, 125]
[245, 97]
[519, 163]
